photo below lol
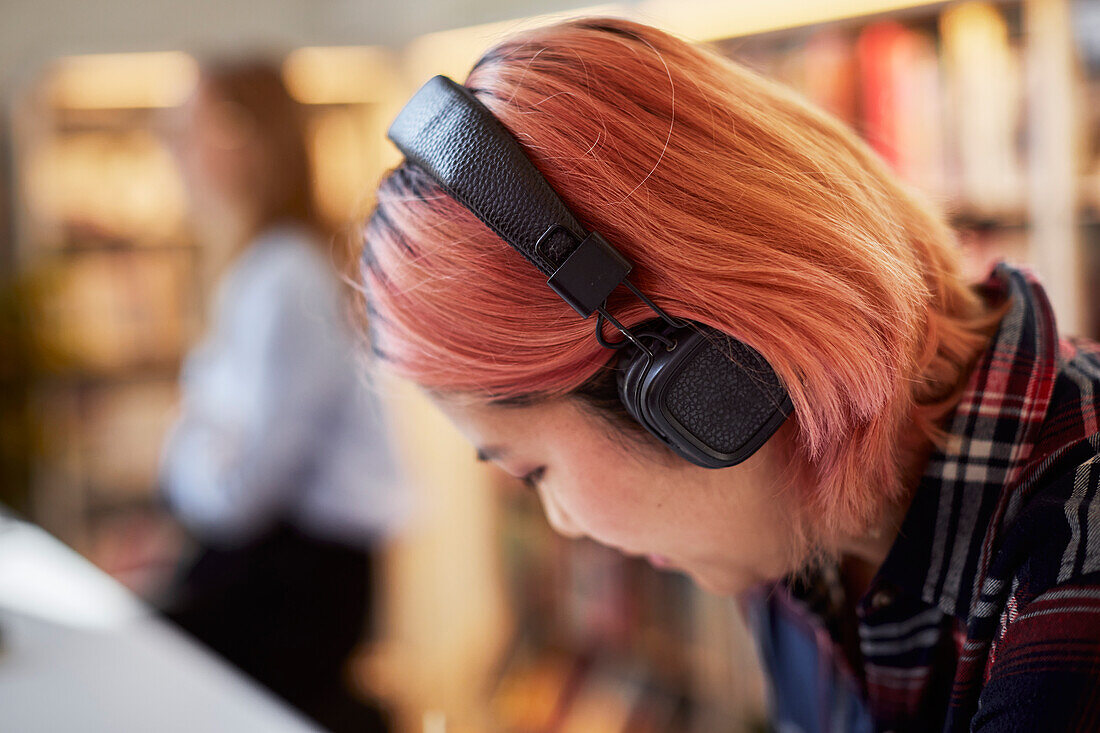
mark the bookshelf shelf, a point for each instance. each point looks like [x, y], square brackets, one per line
[116, 300]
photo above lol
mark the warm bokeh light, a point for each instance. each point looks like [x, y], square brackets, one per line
[345, 159]
[453, 52]
[339, 74]
[125, 80]
[117, 183]
[712, 20]
[985, 97]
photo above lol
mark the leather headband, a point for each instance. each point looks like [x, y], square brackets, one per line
[445, 130]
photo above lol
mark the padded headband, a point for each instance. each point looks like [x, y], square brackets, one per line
[491, 176]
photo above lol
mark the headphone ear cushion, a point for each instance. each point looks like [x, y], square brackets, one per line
[635, 368]
[709, 397]
[630, 374]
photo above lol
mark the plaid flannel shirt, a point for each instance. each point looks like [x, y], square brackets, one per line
[985, 615]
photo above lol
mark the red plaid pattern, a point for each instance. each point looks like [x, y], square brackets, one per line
[985, 615]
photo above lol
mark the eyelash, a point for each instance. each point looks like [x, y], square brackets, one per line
[532, 479]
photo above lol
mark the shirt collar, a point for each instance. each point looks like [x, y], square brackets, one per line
[991, 434]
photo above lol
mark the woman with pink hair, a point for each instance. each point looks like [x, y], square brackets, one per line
[908, 505]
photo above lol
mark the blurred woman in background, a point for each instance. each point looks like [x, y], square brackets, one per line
[279, 464]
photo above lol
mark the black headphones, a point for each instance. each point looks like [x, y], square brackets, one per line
[709, 397]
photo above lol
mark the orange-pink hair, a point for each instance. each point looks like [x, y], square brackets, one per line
[741, 206]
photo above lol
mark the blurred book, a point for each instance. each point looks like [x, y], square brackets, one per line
[105, 184]
[605, 702]
[123, 429]
[984, 84]
[901, 92]
[830, 73]
[110, 310]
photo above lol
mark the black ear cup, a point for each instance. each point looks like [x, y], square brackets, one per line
[711, 398]
[630, 374]
[634, 364]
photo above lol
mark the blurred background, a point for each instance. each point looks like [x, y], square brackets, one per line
[483, 620]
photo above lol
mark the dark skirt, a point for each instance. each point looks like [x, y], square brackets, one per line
[287, 609]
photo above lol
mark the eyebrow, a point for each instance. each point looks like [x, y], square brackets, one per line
[490, 453]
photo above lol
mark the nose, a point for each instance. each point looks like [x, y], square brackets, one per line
[559, 519]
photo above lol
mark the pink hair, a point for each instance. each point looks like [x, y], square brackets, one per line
[741, 207]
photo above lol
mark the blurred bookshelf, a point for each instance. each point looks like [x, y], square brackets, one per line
[986, 108]
[1086, 24]
[119, 285]
[101, 235]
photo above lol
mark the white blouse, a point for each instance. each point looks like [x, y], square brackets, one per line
[278, 421]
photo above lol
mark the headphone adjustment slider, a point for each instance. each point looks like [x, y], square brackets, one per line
[589, 274]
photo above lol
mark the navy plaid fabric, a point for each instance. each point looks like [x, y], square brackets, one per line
[985, 615]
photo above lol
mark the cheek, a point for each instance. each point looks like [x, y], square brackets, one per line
[608, 495]
[596, 485]
[601, 508]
